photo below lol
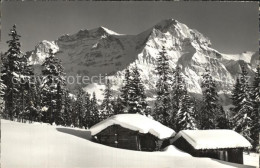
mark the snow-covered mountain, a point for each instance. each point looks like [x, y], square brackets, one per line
[102, 51]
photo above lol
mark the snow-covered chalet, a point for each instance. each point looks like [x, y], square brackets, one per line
[132, 131]
[220, 144]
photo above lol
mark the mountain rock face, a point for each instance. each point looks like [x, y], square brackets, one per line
[103, 52]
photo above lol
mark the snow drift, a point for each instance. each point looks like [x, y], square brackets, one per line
[171, 149]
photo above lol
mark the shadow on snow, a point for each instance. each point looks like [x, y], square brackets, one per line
[79, 133]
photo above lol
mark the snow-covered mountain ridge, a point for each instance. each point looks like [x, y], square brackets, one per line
[102, 51]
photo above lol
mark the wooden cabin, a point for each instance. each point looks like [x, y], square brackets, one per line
[132, 131]
[226, 145]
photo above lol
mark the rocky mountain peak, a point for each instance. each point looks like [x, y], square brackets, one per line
[166, 24]
[103, 51]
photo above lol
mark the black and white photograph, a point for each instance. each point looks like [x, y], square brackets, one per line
[129, 84]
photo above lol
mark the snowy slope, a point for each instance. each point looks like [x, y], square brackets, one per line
[251, 159]
[43, 146]
[135, 122]
[102, 51]
[172, 149]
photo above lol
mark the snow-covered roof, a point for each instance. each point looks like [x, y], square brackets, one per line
[135, 122]
[213, 139]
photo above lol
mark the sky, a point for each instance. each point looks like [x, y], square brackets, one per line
[232, 27]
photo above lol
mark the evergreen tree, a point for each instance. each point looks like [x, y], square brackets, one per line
[178, 91]
[10, 76]
[197, 110]
[256, 109]
[80, 108]
[162, 110]
[256, 85]
[2, 89]
[26, 84]
[74, 114]
[94, 111]
[222, 120]
[136, 99]
[125, 90]
[59, 115]
[178, 87]
[243, 106]
[118, 106]
[53, 88]
[87, 117]
[68, 109]
[185, 115]
[107, 104]
[210, 108]
[148, 111]
[236, 93]
[33, 111]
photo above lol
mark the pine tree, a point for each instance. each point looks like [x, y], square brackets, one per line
[118, 106]
[236, 93]
[256, 85]
[243, 106]
[210, 108]
[107, 104]
[53, 88]
[185, 119]
[162, 110]
[125, 90]
[87, 117]
[10, 75]
[222, 120]
[197, 112]
[79, 107]
[136, 99]
[178, 87]
[26, 85]
[59, 115]
[31, 95]
[68, 109]
[148, 111]
[2, 89]
[178, 91]
[256, 110]
[74, 114]
[37, 98]
[94, 111]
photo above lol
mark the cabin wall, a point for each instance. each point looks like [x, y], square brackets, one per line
[235, 155]
[220, 154]
[119, 137]
[183, 145]
[149, 142]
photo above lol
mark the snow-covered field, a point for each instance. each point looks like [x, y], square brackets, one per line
[251, 159]
[44, 146]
